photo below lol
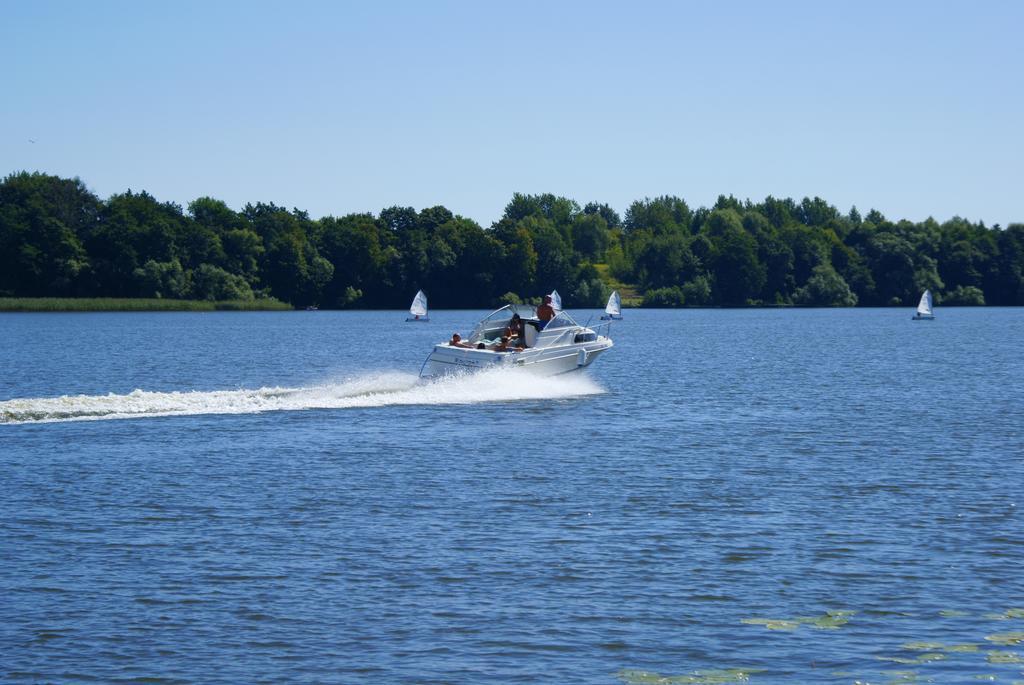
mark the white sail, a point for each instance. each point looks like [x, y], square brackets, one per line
[419, 305]
[614, 306]
[556, 300]
[924, 307]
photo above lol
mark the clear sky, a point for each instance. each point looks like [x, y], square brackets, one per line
[913, 108]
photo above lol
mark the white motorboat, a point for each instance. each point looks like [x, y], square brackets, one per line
[560, 346]
[613, 310]
[924, 308]
[418, 309]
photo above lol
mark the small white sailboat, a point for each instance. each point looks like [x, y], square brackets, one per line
[924, 308]
[418, 310]
[613, 310]
[556, 300]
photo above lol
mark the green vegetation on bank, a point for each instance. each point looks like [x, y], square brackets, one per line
[58, 240]
[112, 304]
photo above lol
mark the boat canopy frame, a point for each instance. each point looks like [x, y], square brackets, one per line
[497, 320]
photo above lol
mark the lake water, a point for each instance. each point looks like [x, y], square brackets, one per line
[762, 496]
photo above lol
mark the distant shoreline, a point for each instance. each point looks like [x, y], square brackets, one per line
[127, 304]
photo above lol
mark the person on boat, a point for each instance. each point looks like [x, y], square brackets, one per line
[501, 345]
[456, 341]
[515, 326]
[545, 312]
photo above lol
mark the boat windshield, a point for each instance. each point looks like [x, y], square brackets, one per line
[561, 320]
[494, 323]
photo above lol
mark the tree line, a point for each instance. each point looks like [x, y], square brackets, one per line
[58, 239]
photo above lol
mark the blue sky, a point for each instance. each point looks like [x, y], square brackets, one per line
[913, 108]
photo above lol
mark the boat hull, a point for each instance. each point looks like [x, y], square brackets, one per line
[923, 317]
[446, 360]
[611, 317]
[424, 319]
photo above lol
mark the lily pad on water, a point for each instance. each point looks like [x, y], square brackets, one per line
[830, 620]
[716, 677]
[938, 647]
[924, 646]
[919, 659]
[1007, 639]
[1005, 658]
[773, 623]
[930, 656]
[904, 677]
[1007, 615]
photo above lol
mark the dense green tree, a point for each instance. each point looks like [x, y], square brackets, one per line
[467, 264]
[589, 290]
[775, 255]
[816, 212]
[825, 288]
[671, 296]
[665, 261]
[560, 211]
[590, 237]
[42, 220]
[730, 202]
[739, 276]
[133, 229]
[1008, 276]
[431, 218]
[610, 216]
[243, 251]
[519, 266]
[660, 216]
[399, 220]
[352, 245]
[810, 248]
[163, 279]
[698, 291]
[962, 295]
[892, 265]
[555, 267]
[57, 238]
[779, 212]
[211, 282]
[291, 266]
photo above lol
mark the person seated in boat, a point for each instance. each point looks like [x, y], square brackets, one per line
[516, 332]
[501, 345]
[456, 341]
[516, 340]
[515, 325]
[545, 312]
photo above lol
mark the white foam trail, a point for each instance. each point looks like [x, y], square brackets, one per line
[375, 390]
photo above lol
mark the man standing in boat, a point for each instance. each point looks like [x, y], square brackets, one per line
[545, 312]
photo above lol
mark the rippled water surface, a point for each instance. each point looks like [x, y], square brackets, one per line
[762, 496]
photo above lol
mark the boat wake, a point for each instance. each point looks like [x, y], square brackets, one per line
[373, 390]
